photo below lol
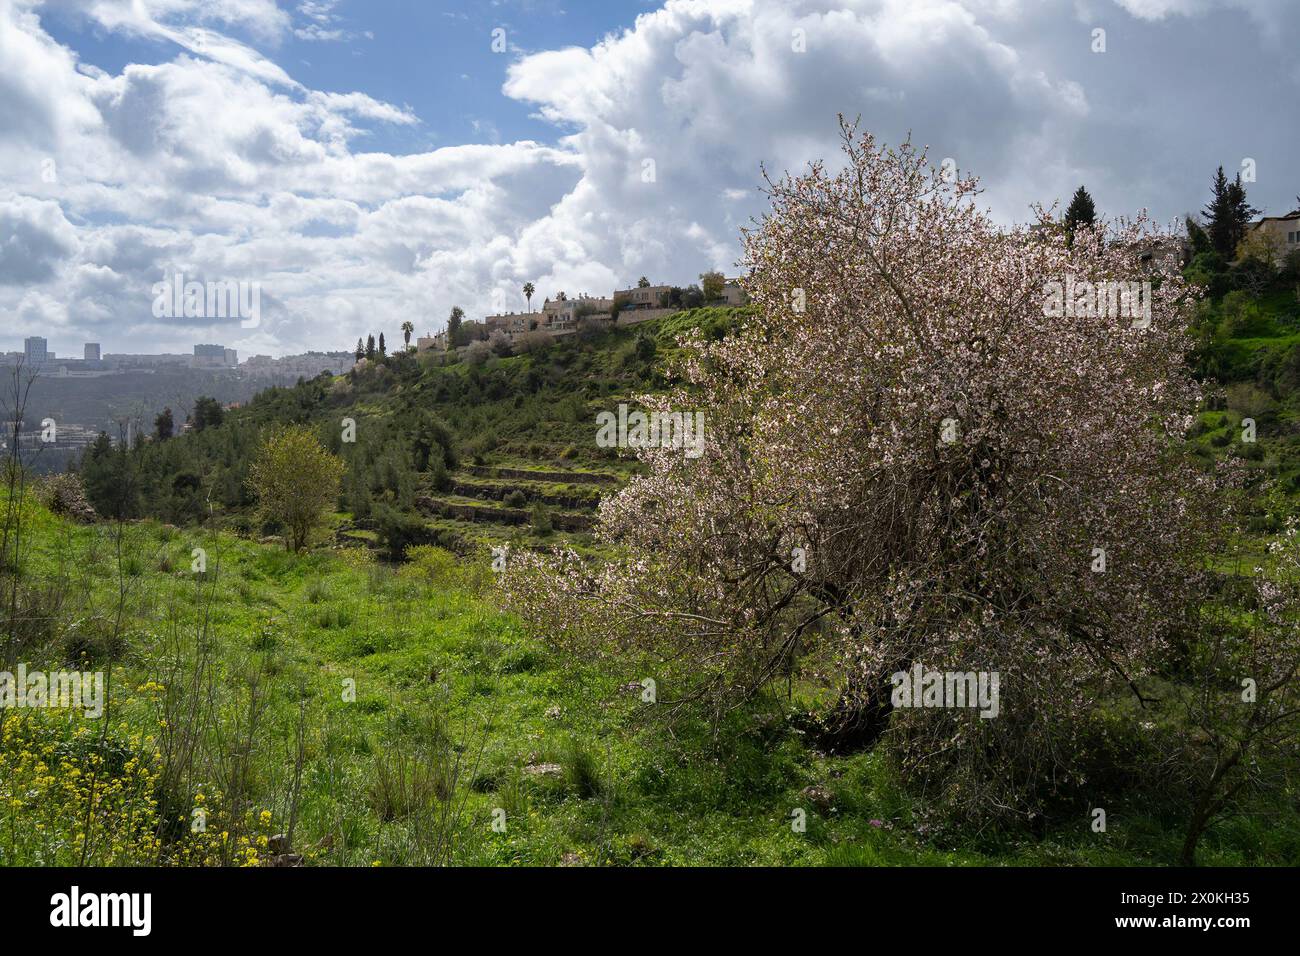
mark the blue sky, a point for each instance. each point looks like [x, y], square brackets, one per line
[435, 57]
[366, 163]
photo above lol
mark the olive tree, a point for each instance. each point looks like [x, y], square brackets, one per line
[295, 479]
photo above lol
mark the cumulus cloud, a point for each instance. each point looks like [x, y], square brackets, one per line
[216, 162]
[35, 239]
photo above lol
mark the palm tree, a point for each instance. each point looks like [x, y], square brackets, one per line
[407, 329]
[529, 289]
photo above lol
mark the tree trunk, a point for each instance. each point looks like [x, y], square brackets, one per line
[861, 715]
[1195, 829]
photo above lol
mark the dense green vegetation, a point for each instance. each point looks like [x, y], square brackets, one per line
[1248, 351]
[435, 452]
[349, 709]
[455, 715]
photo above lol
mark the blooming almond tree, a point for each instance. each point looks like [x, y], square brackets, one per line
[938, 442]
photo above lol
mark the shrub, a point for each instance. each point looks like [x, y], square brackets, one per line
[477, 353]
[399, 530]
[64, 495]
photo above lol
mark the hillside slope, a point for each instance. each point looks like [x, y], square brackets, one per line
[457, 454]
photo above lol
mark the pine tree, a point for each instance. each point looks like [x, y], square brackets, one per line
[1228, 215]
[1242, 212]
[208, 413]
[1216, 213]
[1081, 212]
[383, 350]
[361, 350]
[164, 425]
[370, 346]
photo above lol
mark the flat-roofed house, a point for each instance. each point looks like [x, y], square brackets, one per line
[733, 294]
[1282, 233]
[642, 297]
[562, 315]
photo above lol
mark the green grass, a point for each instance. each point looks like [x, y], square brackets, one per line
[435, 662]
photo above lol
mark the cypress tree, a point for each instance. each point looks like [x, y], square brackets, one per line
[1228, 215]
[1082, 212]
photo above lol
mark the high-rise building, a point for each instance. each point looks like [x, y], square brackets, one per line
[92, 352]
[37, 350]
[214, 356]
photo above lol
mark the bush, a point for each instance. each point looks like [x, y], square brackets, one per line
[435, 565]
[477, 353]
[541, 520]
[1250, 401]
[399, 530]
[64, 495]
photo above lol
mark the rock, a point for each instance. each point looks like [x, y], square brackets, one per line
[544, 770]
[819, 797]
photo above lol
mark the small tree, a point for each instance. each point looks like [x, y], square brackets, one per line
[712, 284]
[529, 289]
[383, 349]
[164, 425]
[1081, 212]
[407, 328]
[294, 480]
[478, 352]
[361, 350]
[643, 283]
[454, 320]
[1243, 706]
[370, 346]
[532, 341]
[208, 413]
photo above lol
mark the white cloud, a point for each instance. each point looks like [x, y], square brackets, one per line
[219, 163]
[35, 240]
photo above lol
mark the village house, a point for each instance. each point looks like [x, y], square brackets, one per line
[642, 298]
[733, 294]
[561, 315]
[433, 341]
[1282, 233]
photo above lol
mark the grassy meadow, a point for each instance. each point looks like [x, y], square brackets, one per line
[345, 711]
